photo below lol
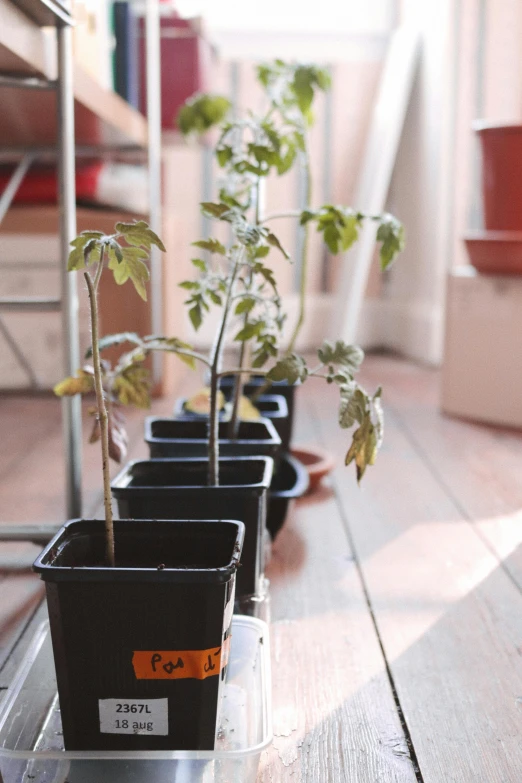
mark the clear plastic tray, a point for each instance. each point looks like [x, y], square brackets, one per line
[31, 747]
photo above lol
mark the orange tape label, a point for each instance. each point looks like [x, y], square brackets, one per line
[180, 664]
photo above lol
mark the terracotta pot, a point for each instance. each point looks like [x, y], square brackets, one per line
[501, 146]
[495, 252]
[317, 461]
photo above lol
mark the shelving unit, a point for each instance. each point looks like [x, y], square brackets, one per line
[50, 105]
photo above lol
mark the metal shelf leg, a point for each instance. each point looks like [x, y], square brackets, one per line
[72, 413]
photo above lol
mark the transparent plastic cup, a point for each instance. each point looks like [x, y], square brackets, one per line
[31, 747]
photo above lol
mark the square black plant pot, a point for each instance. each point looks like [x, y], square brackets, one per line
[226, 384]
[166, 488]
[188, 437]
[140, 649]
[271, 406]
[290, 482]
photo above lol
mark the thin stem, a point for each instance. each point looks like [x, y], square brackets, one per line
[277, 215]
[304, 259]
[213, 438]
[102, 410]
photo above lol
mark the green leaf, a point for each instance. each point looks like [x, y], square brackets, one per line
[349, 229]
[132, 267]
[306, 216]
[212, 245]
[80, 244]
[224, 155]
[139, 234]
[250, 330]
[215, 297]
[290, 369]
[189, 285]
[332, 236]
[114, 339]
[200, 264]
[303, 89]
[274, 241]
[210, 209]
[201, 112]
[81, 383]
[348, 356]
[262, 251]
[196, 315]
[391, 234]
[245, 305]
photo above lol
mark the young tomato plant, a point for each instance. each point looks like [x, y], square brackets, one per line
[123, 253]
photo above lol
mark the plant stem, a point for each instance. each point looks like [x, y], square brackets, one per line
[304, 258]
[213, 436]
[102, 410]
[244, 352]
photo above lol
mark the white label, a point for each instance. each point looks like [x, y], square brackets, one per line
[134, 716]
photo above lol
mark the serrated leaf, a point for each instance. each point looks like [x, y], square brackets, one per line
[303, 89]
[215, 297]
[353, 405]
[200, 264]
[262, 251]
[132, 267]
[155, 343]
[290, 369]
[114, 339]
[81, 383]
[139, 234]
[348, 356]
[189, 285]
[212, 245]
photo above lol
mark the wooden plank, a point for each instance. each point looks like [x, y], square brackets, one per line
[449, 618]
[478, 465]
[334, 715]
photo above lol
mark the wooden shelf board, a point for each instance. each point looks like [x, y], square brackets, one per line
[28, 117]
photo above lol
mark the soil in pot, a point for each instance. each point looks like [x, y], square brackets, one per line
[141, 649]
[162, 488]
[251, 388]
[271, 406]
[188, 437]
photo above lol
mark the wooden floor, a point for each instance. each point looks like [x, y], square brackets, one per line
[396, 607]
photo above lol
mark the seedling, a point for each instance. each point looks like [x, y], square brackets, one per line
[124, 253]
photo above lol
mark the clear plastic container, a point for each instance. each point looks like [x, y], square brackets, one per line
[31, 747]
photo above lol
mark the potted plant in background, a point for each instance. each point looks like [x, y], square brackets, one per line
[237, 280]
[140, 612]
[250, 149]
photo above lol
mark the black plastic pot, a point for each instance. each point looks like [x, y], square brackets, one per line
[188, 437]
[253, 385]
[290, 482]
[271, 406]
[141, 647]
[166, 488]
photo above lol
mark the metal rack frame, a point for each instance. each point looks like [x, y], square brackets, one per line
[47, 12]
